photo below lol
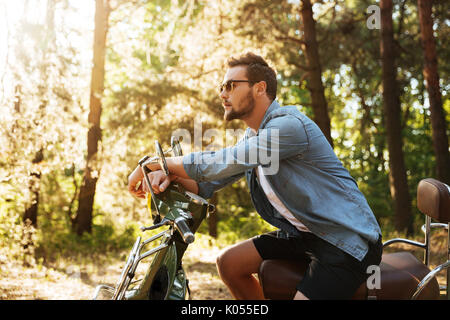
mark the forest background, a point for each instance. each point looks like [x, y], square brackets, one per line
[87, 86]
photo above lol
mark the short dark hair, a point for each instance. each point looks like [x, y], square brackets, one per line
[257, 70]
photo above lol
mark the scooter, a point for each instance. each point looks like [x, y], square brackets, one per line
[183, 212]
[401, 275]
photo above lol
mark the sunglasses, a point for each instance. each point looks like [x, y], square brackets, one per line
[229, 85]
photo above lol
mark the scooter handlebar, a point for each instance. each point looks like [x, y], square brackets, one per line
[186, 233]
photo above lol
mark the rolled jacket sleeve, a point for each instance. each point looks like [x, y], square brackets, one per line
[207, 188]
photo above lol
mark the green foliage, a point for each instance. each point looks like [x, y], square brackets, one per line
[241, 225]
[55, 242]
[163, 63]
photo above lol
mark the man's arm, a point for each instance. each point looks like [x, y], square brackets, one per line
[159, 182]
[175, 165]
[282, 138]
[188, 184]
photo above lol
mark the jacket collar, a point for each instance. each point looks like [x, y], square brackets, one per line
[274, 105]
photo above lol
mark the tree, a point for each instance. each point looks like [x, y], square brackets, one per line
[43, 35]
[83, 219]
[315, 86]
[392, 116]
[288, 31]
[430, 72]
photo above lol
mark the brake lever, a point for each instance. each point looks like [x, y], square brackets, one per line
[165, 222]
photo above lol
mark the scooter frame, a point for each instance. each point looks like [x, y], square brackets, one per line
[165, 277]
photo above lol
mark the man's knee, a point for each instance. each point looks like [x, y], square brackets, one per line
[224, 262]
[238, 260]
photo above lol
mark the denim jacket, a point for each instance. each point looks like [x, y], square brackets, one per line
[308, 178]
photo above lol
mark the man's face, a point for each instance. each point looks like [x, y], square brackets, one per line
[239, 103]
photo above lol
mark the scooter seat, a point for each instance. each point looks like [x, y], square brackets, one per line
[400, 273]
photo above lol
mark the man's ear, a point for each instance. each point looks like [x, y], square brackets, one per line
[261, 88]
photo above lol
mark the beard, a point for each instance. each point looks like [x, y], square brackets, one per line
[246, 107]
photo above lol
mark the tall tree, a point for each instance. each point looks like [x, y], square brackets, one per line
[392, 116]
[83, 219]
[430, 72]
[48, 47]
[315, 86]
[288, 31]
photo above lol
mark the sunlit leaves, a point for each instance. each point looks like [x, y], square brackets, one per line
[164, 61]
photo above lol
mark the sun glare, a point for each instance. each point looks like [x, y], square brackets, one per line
[77, 15]
[9, 15]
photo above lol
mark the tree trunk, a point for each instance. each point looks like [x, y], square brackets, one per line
[315, 85]
[392, 113]
[30, 216]
[430, 72]
[212, 219]
[31, 212]
[83, 219]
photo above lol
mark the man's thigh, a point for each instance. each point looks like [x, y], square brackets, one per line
[332, 273]
[242, 257]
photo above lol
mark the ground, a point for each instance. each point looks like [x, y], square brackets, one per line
[60, 280]
[64, 280]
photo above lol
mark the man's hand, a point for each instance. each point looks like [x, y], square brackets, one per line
[176, 169]
[158, 180]
[134, 178]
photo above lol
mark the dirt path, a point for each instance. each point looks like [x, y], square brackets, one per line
[68, 281]
[64, 281]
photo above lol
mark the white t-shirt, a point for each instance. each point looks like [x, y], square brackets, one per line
[276, 202]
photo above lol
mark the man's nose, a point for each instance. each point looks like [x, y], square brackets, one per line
[224, 94]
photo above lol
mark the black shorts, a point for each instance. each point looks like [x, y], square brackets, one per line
[331, 273]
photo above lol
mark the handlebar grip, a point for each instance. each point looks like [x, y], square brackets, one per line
[183, 228]
[143, 159]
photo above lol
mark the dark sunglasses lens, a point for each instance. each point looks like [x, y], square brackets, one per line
[228, 86]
